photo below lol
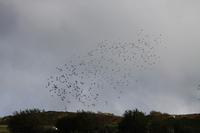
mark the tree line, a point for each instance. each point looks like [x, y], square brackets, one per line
[132, 121]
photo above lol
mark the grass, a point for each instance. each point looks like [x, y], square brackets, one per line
[3, 129]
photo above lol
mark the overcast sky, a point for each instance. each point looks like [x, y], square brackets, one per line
[38, 36]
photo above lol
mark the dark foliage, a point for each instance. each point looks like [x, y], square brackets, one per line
[80, 122]
[133, 122]
[173, 125]
[53, 116]
[67, 124]
[28, 121]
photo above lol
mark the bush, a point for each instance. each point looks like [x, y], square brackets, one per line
[80, 122]
[28, 121]
[67, 124]
[133, 122]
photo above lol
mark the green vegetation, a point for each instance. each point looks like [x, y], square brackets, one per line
[133, 121]
[80, 122]
[4, 129]
[28, 121]
[37, 121]
[84, 122]
[158, 122]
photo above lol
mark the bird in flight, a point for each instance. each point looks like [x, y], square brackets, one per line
[111, 66]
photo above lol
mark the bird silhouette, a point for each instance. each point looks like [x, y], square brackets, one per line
[109, 65]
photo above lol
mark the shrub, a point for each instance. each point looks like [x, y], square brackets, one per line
[27, 121]
[133, 122]
[80, 122]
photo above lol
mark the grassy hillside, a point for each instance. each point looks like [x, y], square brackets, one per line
[107, 120]
[53, 116]
[3, 129]
[189, 122]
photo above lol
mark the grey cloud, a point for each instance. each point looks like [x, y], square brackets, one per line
[38, 36]
[8, 20]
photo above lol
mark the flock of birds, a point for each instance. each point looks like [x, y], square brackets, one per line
[108, 67]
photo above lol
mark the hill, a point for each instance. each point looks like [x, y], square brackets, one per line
[53, 116]
[156, 121]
